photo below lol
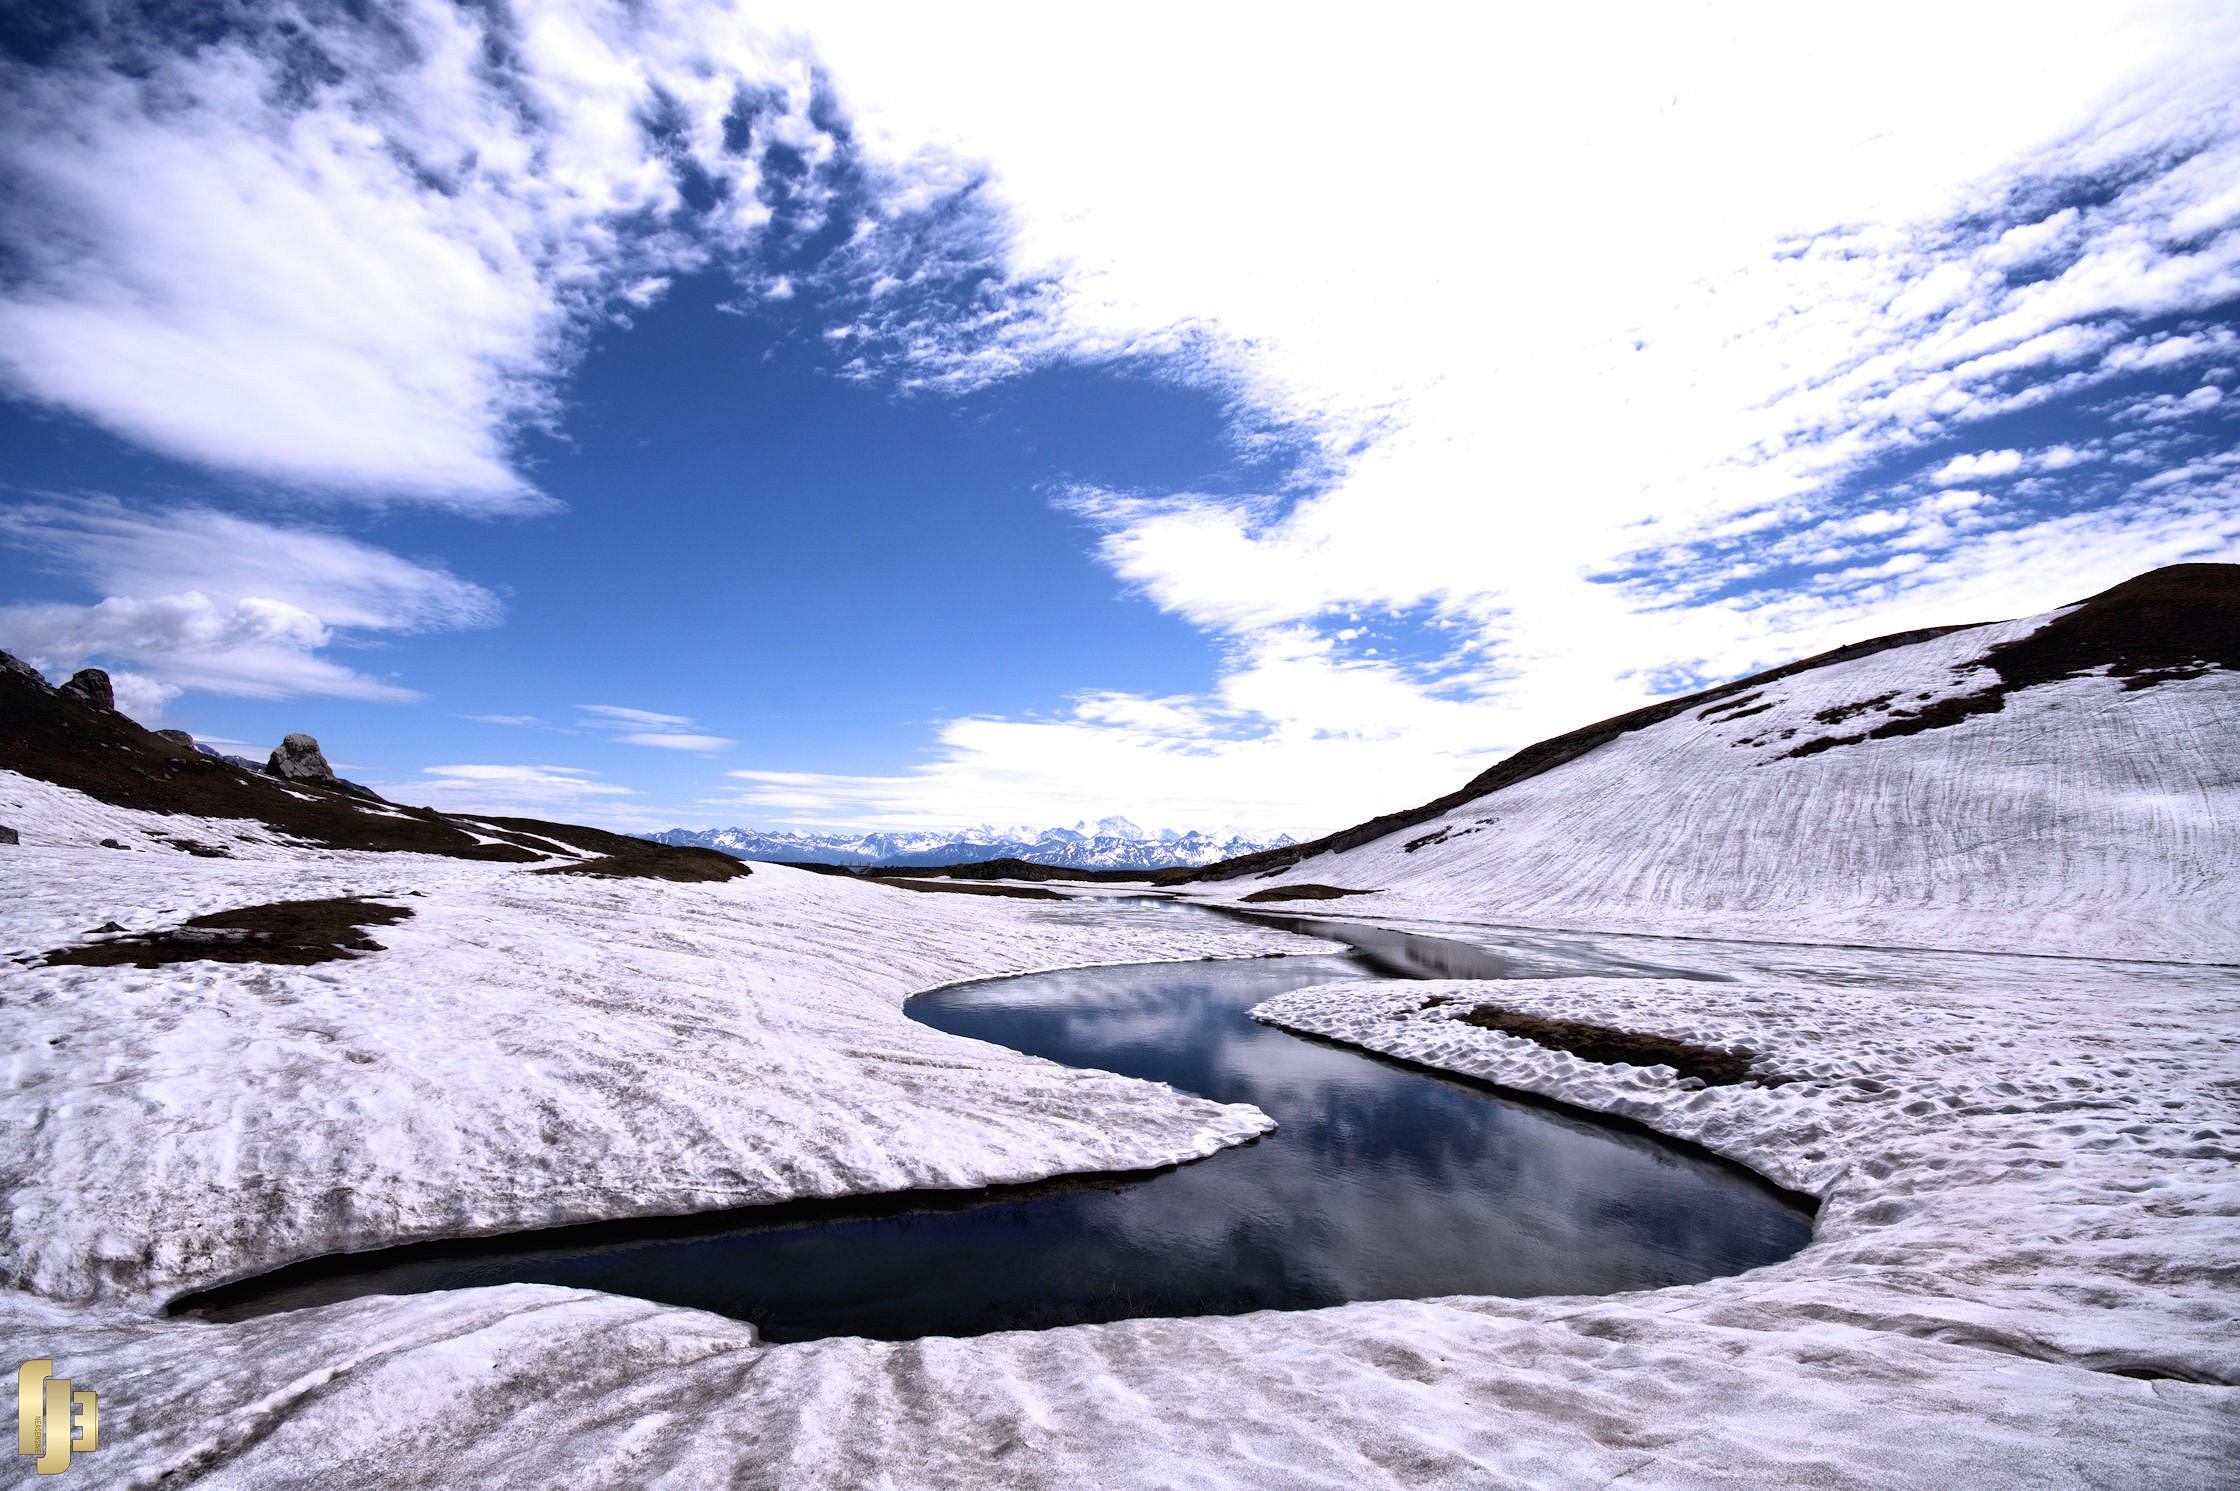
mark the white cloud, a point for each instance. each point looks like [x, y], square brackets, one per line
[572, 779]
[1299, 735]
[1296, 737]
[1586, 307]
[678, 741]
[1557, 310]
[253, 648]
[616, 716]
[2149, 353]
[646, 727]
[171, 623]
[519, 790]
[140, 696]
[199, 599]
[356, 254]
[2165, 407]
[1991, 465]
[123, 550]
[1975, 465]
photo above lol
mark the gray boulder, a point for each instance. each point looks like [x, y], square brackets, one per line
[178, 738]
[8, 835]
[91, 686]
[299, 759]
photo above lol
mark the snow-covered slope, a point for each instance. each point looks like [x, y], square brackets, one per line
[1943, 793]
[528, 1049]
[73, 737]
[1108, 844]
[2030, 1167]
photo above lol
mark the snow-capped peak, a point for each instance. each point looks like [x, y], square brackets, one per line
[1112, 843]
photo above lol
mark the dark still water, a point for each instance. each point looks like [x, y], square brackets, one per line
[1383, 1182]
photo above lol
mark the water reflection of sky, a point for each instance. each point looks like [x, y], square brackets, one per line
[1381, 1183]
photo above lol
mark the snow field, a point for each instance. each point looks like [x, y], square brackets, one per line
[2082, 818]
[2048, 1168]
[2032, 1172]
[530, 1050]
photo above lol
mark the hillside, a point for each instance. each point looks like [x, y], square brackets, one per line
[2063, 783]
[71, 737]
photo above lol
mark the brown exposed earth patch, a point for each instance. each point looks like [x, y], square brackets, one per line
[200, 850]
[681, 863]
[1838, 713]
[1304, 893]
[290, 932]
[1019, 892]
[1727, 706]
[1621, 1047]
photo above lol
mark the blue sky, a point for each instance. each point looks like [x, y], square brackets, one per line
[879, 420]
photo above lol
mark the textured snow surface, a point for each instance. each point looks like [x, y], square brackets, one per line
[526, 1386]
[2040, 1156]
[2031, 1165]
[2083, 818]
[528, 1050]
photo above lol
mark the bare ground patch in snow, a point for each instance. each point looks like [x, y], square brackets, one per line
[279, 932]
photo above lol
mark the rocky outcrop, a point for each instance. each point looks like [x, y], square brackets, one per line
[68, 740]
[299, 759]
[177, 737]
[91, 686]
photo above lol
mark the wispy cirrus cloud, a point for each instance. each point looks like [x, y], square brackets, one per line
[123, 549]
[1604, 415]
[618, 716]
[357, 250]
[646, 727]
[576, 781]
[237, 249]
[1590, 409]
[568, 794]
[679, 740]
[514, 789]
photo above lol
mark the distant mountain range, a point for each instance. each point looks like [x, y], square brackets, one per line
[1107, 844]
